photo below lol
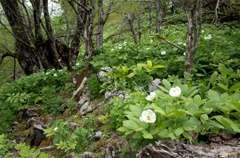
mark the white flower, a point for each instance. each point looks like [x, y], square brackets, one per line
[55, 75]
[184, 53]
[151, 96]
[148, 116]
[184, 44]
[124, 43]
[208, 37]
[77, 64]
[55, 129]
[120, 47]
[163, 52]
[147, 48]
[179, 43]
[175, 92]
[202, 31]
[112, 49]
[47, 73]
[151, 41]
[175, 49]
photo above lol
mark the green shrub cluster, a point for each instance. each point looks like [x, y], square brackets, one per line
[40, 89]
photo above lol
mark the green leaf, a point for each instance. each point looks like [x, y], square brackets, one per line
[163, 133]
[222, 68]
[187, 136]
[149, 64]
[213, 78]
[192, 91]
[235, 87]
[137, 135]
[166, 84]
[178, 131]
[191, 124]
[123, 129]
[156, 108]
[222, 86]
[130, 124]
[213, 94]
[147, 135]
[227, 122]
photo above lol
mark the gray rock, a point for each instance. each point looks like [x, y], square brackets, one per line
[102, 72]
[153, 86]
[98, 135]
[121, 94]
[87, 154]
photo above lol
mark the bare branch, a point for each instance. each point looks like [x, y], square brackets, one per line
[175, 45]
[7, 53]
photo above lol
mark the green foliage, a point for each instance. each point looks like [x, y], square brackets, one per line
[40, 89]
[183, 117]
[67, 139]
[94, 85]
[5, 145]
[24, 151]
[116, 107]
[134, 77]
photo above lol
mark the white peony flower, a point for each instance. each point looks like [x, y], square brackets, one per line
[148, 116]
[184, 53]
[55, 74]
[77, 64]
[175, 92]
[151, 96]
[55, 129]
[163, 52]
[175, 49]
[208, 37]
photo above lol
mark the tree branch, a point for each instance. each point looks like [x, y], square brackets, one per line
[175, 45]
[6, 54]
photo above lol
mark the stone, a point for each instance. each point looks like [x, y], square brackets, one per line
[153, 86]
[87, 154]
[102, 72]
[110, 95]
[97, 136]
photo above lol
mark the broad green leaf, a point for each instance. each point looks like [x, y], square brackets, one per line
[166, 84]
[147, 135]
[213, 78]
[123, 129]
[149, 64]
[178, 131]
[187, 136]
[131, 75]
[137, 135]
[222, 68]
[235, 87]
[204, 117]
[130, 124]
[191, 124]
[192, 91]
[227, 122]
[197, 99]
[222, 86]
[213, 94]
[163, 133]
[156, 108]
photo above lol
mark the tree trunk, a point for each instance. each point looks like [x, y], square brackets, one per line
[194, 15]
[32, 50]
[158, 16]
[130, 19]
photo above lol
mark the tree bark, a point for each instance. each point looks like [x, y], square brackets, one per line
[130, 19]
[158, 16]
[194, 15]
[36, 47]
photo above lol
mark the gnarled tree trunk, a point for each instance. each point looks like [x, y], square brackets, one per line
[36, 47]
[194, 15]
